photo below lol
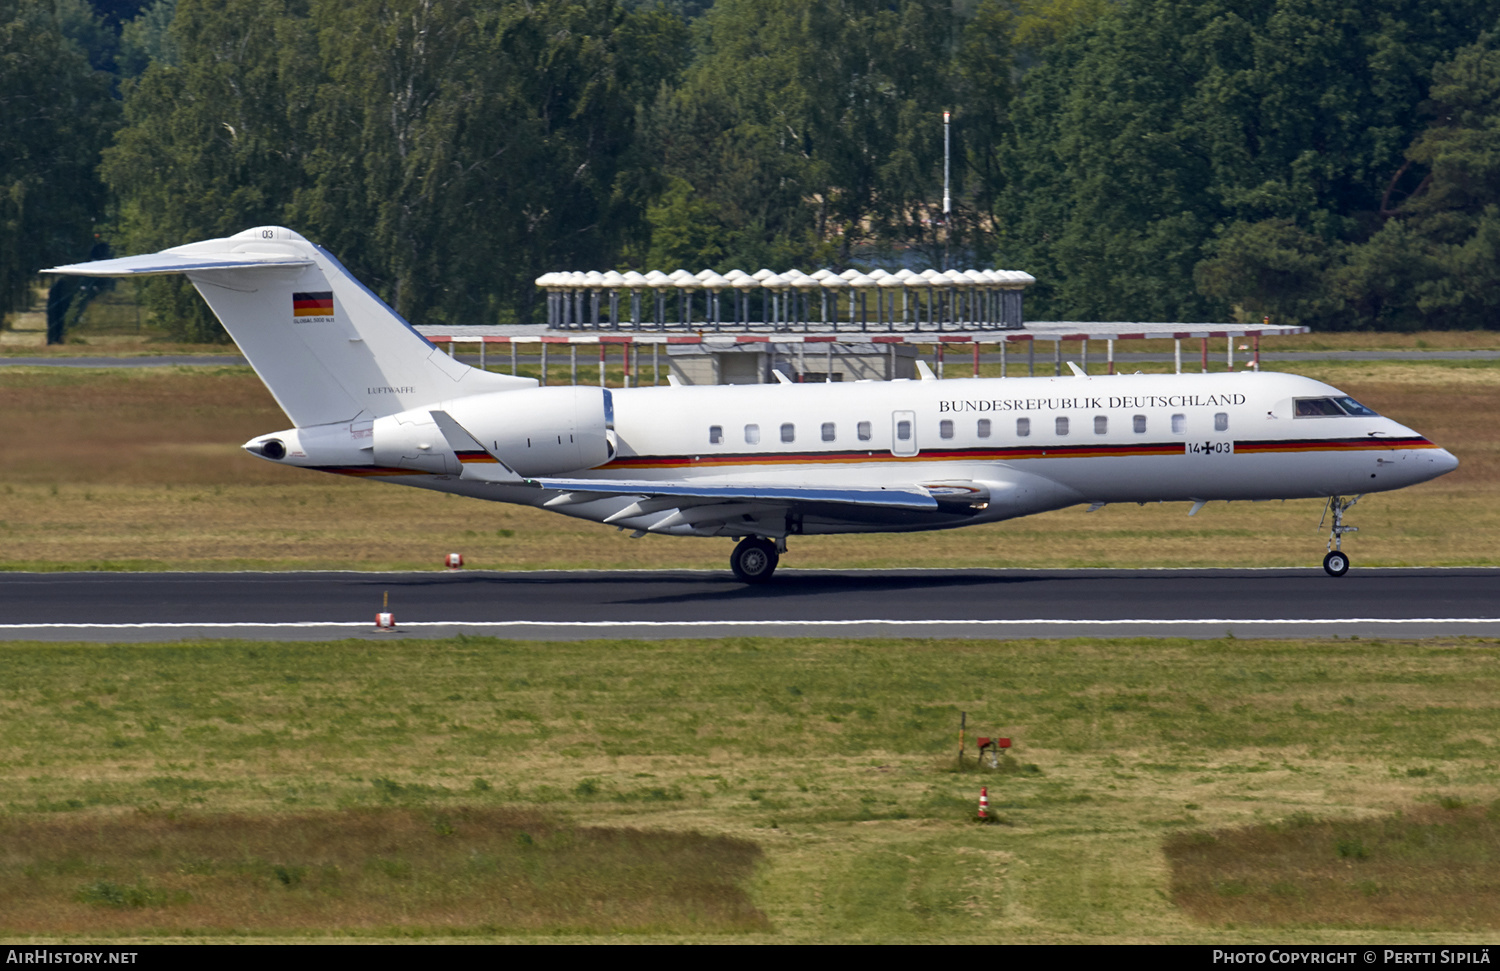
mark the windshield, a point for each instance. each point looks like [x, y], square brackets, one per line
[1332, 408]
[1355, 408]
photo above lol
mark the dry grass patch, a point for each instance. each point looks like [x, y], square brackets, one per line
[394, 870]
[175, 426]
[1432, 340]
[1434, 867]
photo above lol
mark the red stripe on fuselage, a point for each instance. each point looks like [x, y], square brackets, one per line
[988, 454]
[1001, 454]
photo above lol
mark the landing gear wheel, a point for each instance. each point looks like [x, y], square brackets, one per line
[754, 560]
[1336, 563]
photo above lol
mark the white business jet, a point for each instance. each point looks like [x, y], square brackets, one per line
[371, 397]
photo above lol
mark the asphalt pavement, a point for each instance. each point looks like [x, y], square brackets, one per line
[1397, 602]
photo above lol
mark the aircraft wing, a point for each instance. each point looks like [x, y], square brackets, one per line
[650, 488]
[734, 508]
[655, 505]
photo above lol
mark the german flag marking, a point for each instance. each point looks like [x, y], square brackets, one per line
[312, 304]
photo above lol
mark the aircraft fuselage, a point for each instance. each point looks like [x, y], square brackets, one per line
[988, 449]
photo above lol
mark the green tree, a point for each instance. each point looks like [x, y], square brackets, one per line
[1426, 257]
[148, 38]
[211, 146]
[985, 78]
[462, 149]
[448, 150]
[801, 122]
[1435, 262]
[1167, 125]
[56, 113]
[1271, 268]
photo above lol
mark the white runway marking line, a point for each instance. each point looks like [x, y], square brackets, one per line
[762, 623]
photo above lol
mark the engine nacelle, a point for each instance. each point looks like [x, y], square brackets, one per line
[536, 431]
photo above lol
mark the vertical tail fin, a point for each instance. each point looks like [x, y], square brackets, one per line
[328, 348]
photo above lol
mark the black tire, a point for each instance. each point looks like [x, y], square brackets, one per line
[754, 560]
[1336, 563]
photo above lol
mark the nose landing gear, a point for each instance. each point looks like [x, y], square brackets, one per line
[1336, 563]
[754, 559]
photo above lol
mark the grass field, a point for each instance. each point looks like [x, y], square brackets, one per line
[141, 469]
[1160, 791]
[235, 788]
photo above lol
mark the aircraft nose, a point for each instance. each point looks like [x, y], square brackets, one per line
[1443, 462]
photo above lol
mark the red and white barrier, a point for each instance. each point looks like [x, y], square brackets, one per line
[455, 561]
[385, 621]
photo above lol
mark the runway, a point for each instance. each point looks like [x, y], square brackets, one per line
[1405, 603]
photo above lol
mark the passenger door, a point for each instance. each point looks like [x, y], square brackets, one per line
[904, 433]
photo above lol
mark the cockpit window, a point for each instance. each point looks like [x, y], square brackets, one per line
[1318, 408]
[1355, 408]
[1332, 407]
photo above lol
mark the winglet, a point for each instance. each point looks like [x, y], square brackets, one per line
[1078, 372]
[924, 372]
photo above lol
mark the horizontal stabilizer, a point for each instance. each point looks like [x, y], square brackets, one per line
[156, 264]
[886, 498]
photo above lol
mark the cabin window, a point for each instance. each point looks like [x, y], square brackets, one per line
[1139, 421]
[752, 434]
[715, 434]
[788, 432]
[1179, 424]
[1101, 425]
[1221, 421]
[945, 428]
[828, 431]
[863, 431]
[1023, 427]
[903, 430]
[1062, 425]
[984, 428]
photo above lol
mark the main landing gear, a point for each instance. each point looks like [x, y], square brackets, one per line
[1336, 563]
[754, 559]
